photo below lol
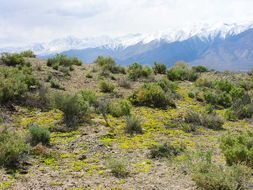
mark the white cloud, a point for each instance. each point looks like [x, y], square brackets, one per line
[29, 21]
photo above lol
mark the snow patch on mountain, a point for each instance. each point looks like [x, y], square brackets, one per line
[202, 31]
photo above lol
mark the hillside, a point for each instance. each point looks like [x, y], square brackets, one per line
[114, 127]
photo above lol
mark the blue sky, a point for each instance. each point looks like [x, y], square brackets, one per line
[27, 21]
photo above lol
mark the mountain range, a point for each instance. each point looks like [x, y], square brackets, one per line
[221, 47]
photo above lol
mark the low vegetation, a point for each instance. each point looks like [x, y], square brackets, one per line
[39, 134]
[181, 71]
[15, 84]
[118, 167]
[12, 146]
[105, 126]
[133, 125]
[137, 71]
[152, 94]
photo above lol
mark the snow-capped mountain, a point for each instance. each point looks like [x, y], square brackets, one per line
[203, 31]
[220, 46]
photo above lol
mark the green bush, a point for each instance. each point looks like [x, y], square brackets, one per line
[191, 95]
[223, 85]
[106, 86]
[136, 71]
[133, 125]
[236, 92]
[118, 167]
[120, 108]
[200, 69]
[109, 64]
[55, 84]
[167, 86]
[104, 61]
[88, 96]
[203, 82]
[159, 68]
[152, 95]
[63, 60]
[238, 148]
[74, 108]
[166, 151]
[39, 135]
[211, 121]
[241, 108]
[209, 176]
[218, 98]
[181, 71]
[102, 107]
[12, 146]
[28, 54]
[15, 84]
[14, 59]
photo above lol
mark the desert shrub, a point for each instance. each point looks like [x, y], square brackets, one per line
[28, 53]
[223, 93]
[188, 127]
[191, 95]
[63, 60]
[103, 61]
[238, 148]
[102, 107]
[136, 71]
[64, 70]
[159, 68]
[241, 108]
[236, 92]
[203, 82]
[88, 96]
[14, 59]
[120, 108]
[55, 66]
[200, 69]
[39, 134]
[211, 121]
[12, 146]
[73, 108]
[151, 94]
[167, 86]
[193, 117]
[133, 125]
[44, 98]
[106, 86]
[181, 71]
[246, 85]
[166, 151]
[118, 167]
[89, 75]
[223, 85]
[125, 83]
[55, 84]
[218, 98]
[209, 176]
[109, 64]
[15, 84]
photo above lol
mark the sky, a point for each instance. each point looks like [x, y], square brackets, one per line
[29, 21]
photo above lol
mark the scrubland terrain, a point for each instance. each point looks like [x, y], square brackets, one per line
[68, 125]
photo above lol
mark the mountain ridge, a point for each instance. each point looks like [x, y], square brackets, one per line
[208, 45]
